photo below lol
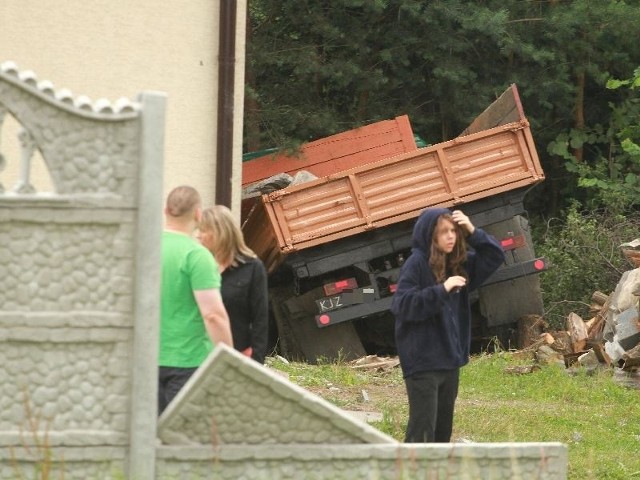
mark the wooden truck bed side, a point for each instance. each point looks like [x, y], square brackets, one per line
[507, 108]
[394, 189]
[338, 152]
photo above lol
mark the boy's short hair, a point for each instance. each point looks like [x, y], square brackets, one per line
[182, 200]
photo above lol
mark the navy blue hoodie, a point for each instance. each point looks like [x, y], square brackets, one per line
[433, 327]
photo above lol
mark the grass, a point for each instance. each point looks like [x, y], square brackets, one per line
[596, 418]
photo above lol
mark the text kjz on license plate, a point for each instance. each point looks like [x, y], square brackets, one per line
[329, 303]
[344, 299]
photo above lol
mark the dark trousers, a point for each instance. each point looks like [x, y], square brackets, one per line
[432, 396]
[171, 380]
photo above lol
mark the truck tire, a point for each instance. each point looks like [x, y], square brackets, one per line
[503, 304]
[301, 339]
[286, 343]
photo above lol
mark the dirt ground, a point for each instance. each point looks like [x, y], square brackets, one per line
[382, 390]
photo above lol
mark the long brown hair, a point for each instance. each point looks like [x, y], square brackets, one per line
[228, 240]
[443, 264]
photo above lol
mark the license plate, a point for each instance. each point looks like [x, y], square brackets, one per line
[327, 304]
[361, 295]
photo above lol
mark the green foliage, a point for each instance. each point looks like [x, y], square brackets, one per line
[316, 68]
[394, 420]
[585, 257]
[550, 405]
[610, 173]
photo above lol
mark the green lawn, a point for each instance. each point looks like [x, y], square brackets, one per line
[596, 418]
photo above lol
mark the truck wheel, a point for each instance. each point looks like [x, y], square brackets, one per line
[302, 339]
[503, 303]
[286, 341]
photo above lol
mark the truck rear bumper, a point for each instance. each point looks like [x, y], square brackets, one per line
[528, 267]
[354, 312]
[362, 310]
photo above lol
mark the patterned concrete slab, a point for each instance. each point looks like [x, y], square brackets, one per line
[234, 400]
[416, 461]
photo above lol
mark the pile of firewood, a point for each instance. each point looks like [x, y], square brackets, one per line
[611, 337]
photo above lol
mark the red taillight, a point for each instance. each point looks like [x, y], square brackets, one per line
[538, 264]
[337, 287]
[393, 287]
[324, 319]
[511, 243]
[507, 242]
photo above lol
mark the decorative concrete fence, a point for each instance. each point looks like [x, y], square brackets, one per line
[80, 283]
[237, 420]
[79, 331]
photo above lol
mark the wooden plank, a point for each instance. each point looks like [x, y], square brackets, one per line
[577, 332]
[406, 133]
[445, 171]
[356, 192]
[337, 152]
[507, 108]
[534, 153]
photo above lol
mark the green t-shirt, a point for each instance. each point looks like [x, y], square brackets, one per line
[186, 266]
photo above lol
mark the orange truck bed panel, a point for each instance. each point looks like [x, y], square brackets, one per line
[338, 152]
[393, 189]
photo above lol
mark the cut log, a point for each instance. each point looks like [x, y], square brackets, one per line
[530, 327]
[589, 359]
[600, 352]
[599, 298]
[547, 355]
[562, 343]
[577, 331]
[633, 256]
[529, 352]
[597, 328]
[631, 358]
[589, 323]
[547, 338]
[572, 358]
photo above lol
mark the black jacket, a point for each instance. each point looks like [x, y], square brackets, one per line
[433, 326]
[244, 294]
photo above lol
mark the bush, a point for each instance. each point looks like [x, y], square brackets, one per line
[585, 256]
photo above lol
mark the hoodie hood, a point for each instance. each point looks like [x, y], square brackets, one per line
[423, 230]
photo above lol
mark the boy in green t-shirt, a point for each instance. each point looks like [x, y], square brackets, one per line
[192, 315]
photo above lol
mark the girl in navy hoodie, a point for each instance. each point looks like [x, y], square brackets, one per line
[433, 315]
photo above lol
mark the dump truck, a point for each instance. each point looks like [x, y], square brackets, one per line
[333, 244]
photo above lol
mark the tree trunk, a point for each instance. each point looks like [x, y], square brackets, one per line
[251, 107]
[579, 119]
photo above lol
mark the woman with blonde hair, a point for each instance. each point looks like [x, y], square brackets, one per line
[244, 280]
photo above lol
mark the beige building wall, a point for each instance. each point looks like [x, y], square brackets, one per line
[115, 48]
